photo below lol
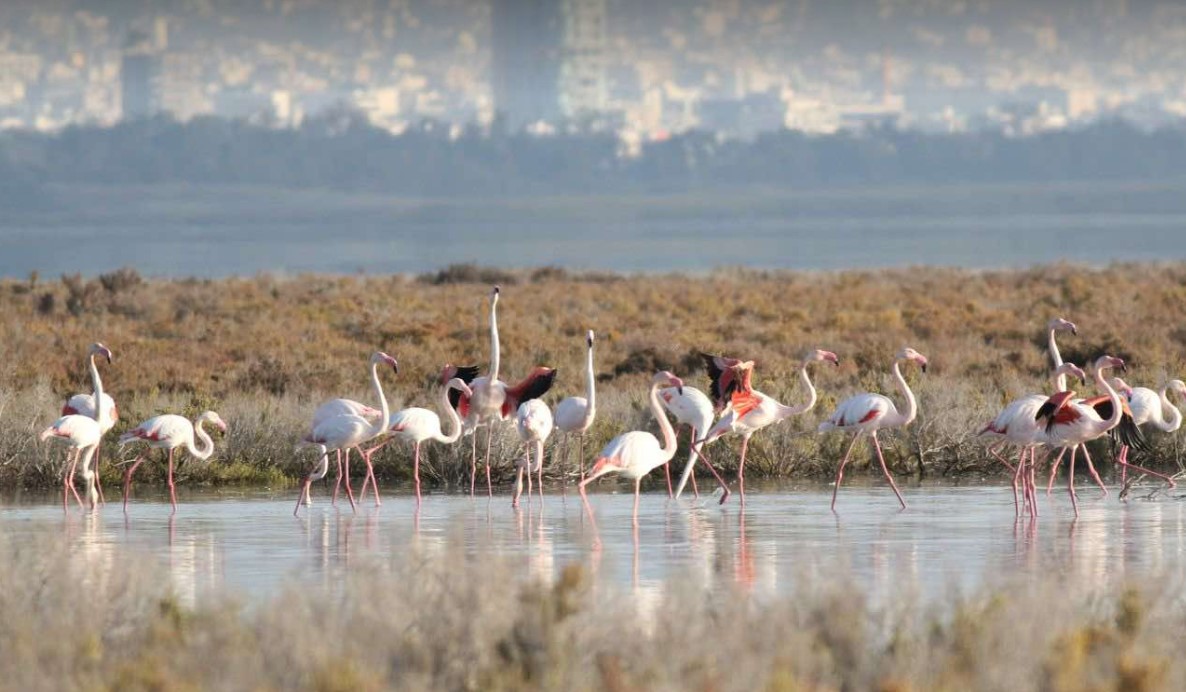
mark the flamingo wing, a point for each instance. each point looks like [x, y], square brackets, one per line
[167, 430]
[341, 432]
[862, 408]
[570, 413]
[531, 387]
[415, 423]
[84, 405]
[1145, 405]
[629, 451]
[722, 376]
[1058, 411]
[1126, 432]
[467, 374]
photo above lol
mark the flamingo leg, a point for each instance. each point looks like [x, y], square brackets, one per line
[721, 481]
[840, 471]
[416, 469]
[172, 489]
[1123, 466]
[563, 443]
[529, 483]
[346, 474]
[1016, 479]
[539, 472]
[667, 475]
[473, 463]
[128, 479]
[1071, 481]
[337, 484]
[1054, 470]
[489, 485]
[98, 480]
[68, 480]
[519, 487]
[1094, 476]
[581, 453]
[1123, 461]
[885, 470]
[366, 456]
[1033, 483]
[741, 468]
[637, 484]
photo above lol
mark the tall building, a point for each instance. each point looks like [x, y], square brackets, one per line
[582, 68]
[139, 77]
[526, 41]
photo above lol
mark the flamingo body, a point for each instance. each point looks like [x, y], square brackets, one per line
[84, 405]
[863, 412]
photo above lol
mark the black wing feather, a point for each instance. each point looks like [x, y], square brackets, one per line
[538, 386]
[467, 374]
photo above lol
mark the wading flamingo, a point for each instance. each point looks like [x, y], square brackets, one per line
[575, 414]
[1070, 422]
[346, 432]
[84, 405]
[170, 432]
[691, 407]
[869, 412]
[1015, 425]
[494, 401]
[82, 435]
[749, 410]
[419, 425]
[635, 454]
[533, 420]
[1150, 407]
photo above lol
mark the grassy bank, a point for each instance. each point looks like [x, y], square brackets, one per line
[263, 351]
[435, 621]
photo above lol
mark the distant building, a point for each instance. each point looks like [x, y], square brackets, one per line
[526, 37]
[139, 76]
[583, 63]
[744, 117]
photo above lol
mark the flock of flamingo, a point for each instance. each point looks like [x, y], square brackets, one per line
[470, 401]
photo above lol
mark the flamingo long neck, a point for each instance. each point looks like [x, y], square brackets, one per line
[200, 453]
[590, 392]
[380, 425]
[1175, 420]
[812, 397]
[669, 441]
[907, 415]
[1061, 379]
[101, 412]
[1114, 396]
[453, 418]
[539, 455]
[494, 351]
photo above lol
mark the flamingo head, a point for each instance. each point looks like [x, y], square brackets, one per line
[1105, 362]
[494, 293]
[912, 355]
[98, 349]
[821, 356]
[1121, 386]
[460, 385]
[589, 338]
[382, 358]
[1177, 386]
[1058, 324]
[214, 419]
[664, 378]
[1071, 369]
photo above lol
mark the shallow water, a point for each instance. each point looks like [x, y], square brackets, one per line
[250, 543]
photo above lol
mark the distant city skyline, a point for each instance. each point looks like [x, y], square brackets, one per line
[644, 71]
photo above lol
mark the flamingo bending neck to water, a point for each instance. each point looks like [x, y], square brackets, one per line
[534, 423]
[1150, 408]
[106, 415]
[691, 407]
[170, 432]
[870, 412]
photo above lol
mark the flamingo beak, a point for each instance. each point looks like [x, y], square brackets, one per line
[924, 366]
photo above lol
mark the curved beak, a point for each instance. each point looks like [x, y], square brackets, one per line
[924, 366]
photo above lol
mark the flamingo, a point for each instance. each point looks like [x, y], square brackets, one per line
[493, 400]
[346, 432]
[1150, 407]
[1054, 326]
[635, 454]
[575, 414]
[1071, 422]
[749, 410]
[170, 432]
[691, 407]
[869, 412]
[82, 435]
[1015, 425]
[84, 405]
[419, 425]
[533, 420]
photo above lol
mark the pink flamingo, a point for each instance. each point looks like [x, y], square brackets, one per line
[82, 434]
[346, 432]
[533, 420]
[1015, 425]
[1149, 408]
[419, 425]
[749, 410]
[493, 400]
[1071, 422]
[869, 412]
[170, 432]
[691, 407]
[575, 414]
[84, 405]
[635, 454]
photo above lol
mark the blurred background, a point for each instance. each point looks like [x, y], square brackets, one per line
[217, 137]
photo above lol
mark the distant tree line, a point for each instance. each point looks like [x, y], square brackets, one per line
[341, 150]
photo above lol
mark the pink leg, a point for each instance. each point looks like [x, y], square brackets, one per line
[366, 456]
[338, 483]
[1071, 481]
[667, 474]
[1123, 466]
[581, 454]
[73, 466]
[98, 480]
[346, 475]
[695, 490]
[637, 483]
[1054, 470]
[416, 470]
[1123, 461]
[1094, 476]
[840, 471]
[519, 486]
[128, 479]
[473, 463]
[720, 481]
[489, 485]
[304, 491]
[539, 478]
[1033, 481]
[741, 468]
[995, 451]
[563, 464]
[885, 470]
[172, 489]
[68, 480]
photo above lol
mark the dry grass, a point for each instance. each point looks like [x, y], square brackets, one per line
[438, 622]
[264, 350]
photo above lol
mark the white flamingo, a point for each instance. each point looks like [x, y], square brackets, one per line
[346, 432]
[533, 421]
[870, 412]
[170, 432]
[82, 435]
[575, 414]
[691, 407]
[84, 405]
[1150, 408]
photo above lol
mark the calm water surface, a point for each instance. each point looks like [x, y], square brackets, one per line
[950, 536]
